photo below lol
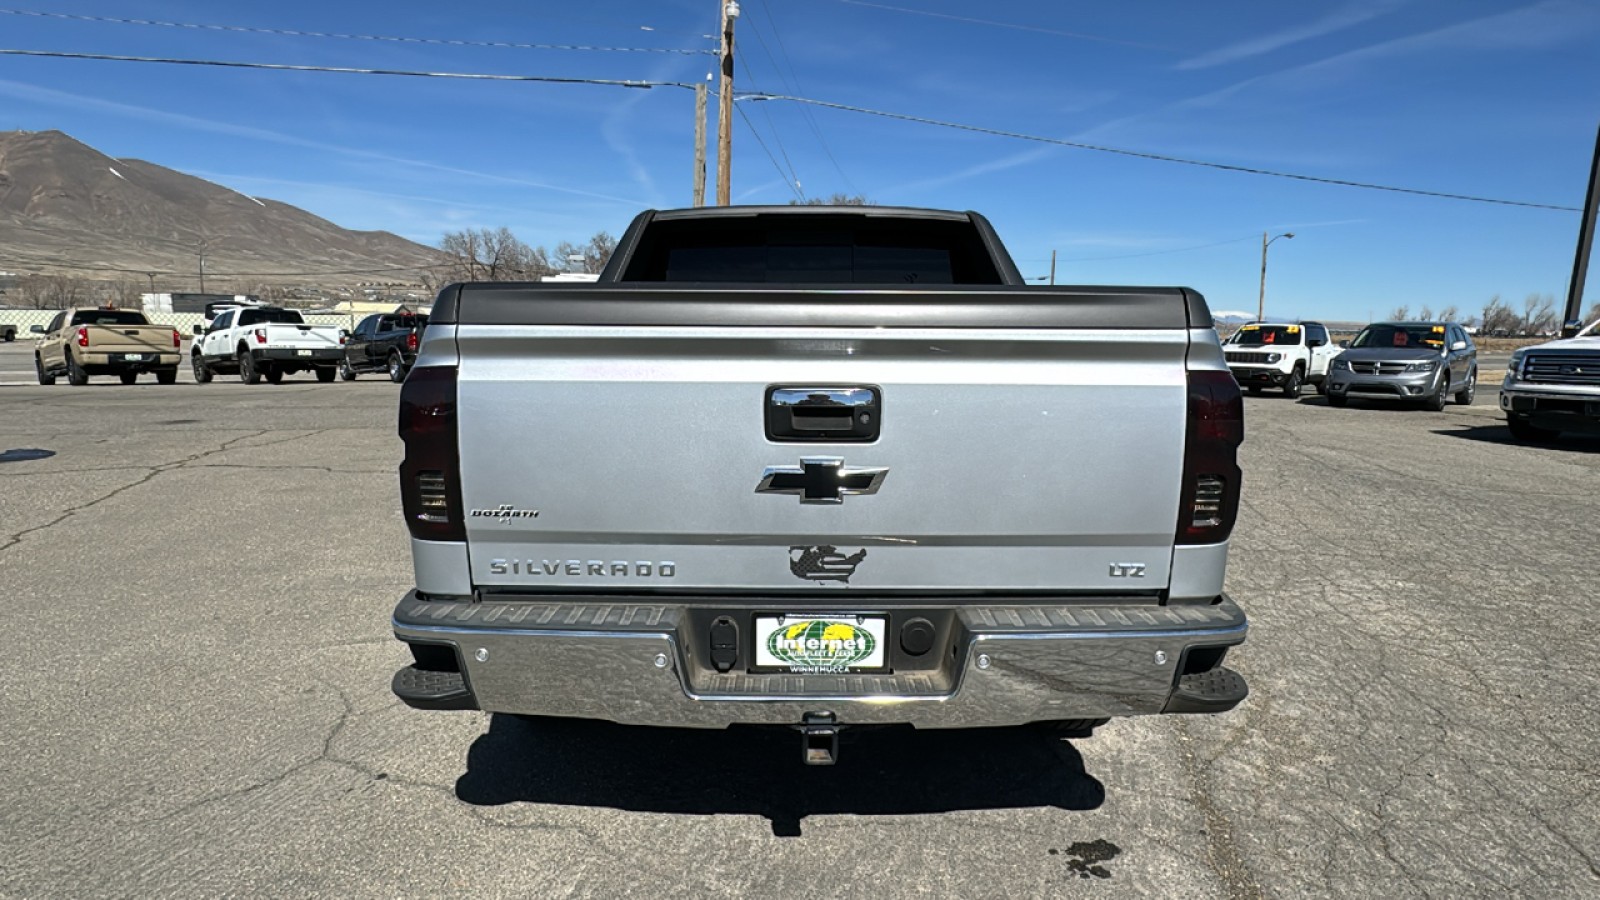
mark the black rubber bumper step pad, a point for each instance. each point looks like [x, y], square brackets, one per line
[424, 689]
[1218, 690]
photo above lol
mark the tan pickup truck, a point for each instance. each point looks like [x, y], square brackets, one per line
[79, 343]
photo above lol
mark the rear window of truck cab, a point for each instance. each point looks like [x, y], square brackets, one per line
[264, 316]
[109, 317]
[818, 249]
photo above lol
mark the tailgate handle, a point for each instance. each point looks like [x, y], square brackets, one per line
[824, 414]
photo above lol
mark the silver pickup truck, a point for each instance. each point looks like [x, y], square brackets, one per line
[819, 467]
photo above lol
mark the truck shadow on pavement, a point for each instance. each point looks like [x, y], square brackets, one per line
[758, 771]
[1500, 434]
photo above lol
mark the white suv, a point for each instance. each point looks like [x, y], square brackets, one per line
[1286, 356]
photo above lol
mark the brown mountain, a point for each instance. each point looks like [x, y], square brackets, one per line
[67, 208]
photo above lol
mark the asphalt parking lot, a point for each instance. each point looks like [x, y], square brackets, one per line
[198, 585]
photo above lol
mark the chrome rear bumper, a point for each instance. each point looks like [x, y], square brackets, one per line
[1007, 665]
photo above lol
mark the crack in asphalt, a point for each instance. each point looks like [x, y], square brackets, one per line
[151, 472]
[1225, 857]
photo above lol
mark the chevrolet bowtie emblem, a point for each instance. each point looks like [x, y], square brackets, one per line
[823, 479]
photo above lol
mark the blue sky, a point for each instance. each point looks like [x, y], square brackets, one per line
[1479, 97]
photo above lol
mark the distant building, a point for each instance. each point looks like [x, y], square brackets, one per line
[190, 303]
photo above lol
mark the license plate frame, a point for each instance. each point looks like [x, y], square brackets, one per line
[133, 357]
[825, 648]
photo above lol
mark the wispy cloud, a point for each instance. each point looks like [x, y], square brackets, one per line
[143, 113]
[995, 165]
[1338, 20]
[1541, 25]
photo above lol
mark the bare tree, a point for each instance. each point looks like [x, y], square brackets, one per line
[487, 255]
[595, 253]
[1538, 314]
[1498, 318]
[126, 293]
[1399, 313]
[51, 292]
[1449, 314]
[1426, 313]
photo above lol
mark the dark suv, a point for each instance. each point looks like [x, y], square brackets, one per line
[1427, 362]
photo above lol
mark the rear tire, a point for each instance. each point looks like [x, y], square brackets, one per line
[345, 372]
[38, 367]
[1524, 430]
[248, 373]
[76, 375]
[167, 376]
[325, 374]
[202, 372]
[274, 375]
[128, 377]
[397, 368]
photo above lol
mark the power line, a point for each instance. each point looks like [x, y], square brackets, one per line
[1160, 157]
[794, 85]
[347, 70]
[292, 32]
[793, 188]
[755, 95]
[794, 177]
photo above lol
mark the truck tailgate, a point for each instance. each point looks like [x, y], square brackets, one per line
[1020, 460]
[316, 337]
[130, 338]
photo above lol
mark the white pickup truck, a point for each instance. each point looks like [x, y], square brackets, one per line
[1286, 356]
[264, 342]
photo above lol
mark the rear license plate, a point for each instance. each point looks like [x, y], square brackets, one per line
[821, 644]
[302, 352]
[133, 357]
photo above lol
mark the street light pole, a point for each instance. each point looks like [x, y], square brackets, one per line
[1261, 300]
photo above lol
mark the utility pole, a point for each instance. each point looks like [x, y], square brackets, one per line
[700, 145]
[730, 11]
[1052, 267]
[202, 265]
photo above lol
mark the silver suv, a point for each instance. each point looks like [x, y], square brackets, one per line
[1416, 361]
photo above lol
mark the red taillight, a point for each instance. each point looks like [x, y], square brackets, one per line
[1209, 502]
[411, 342]
[177, 339]
[83, 337]
[430, 475]
[261, 335]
